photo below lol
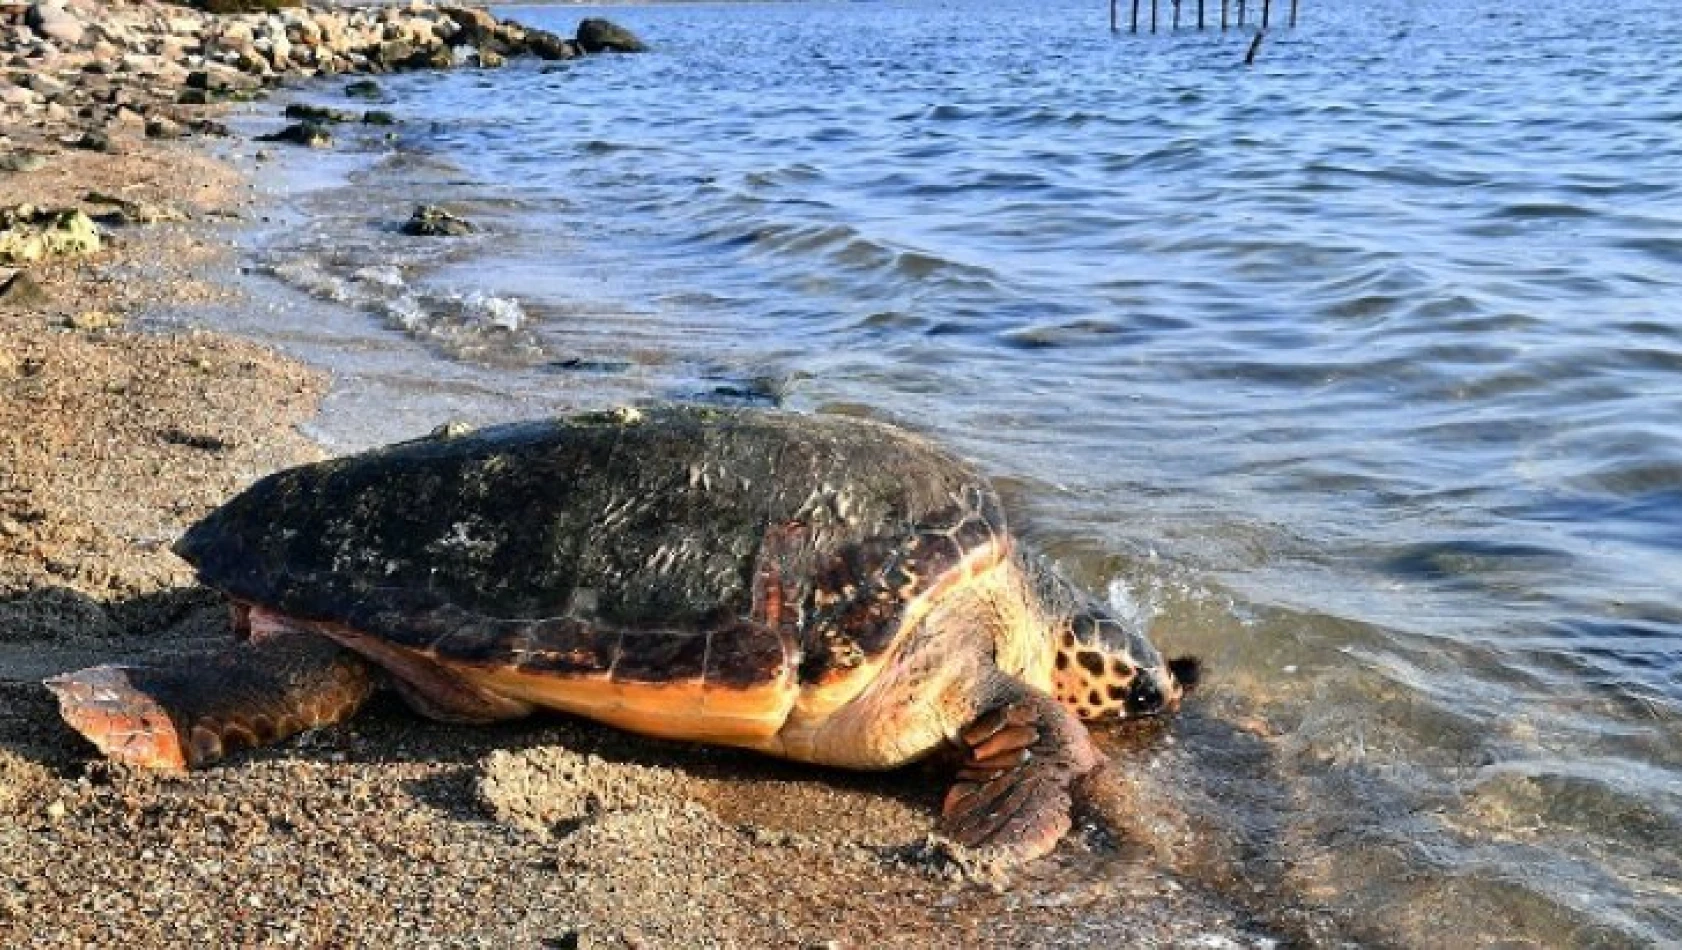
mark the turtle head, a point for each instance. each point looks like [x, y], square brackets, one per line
[1106, 668]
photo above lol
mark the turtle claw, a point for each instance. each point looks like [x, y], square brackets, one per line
[1012, 792]
[1019, 815]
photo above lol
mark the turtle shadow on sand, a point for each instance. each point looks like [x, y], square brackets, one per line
[551, 773]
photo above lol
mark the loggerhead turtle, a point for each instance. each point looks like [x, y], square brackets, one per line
[823, 589]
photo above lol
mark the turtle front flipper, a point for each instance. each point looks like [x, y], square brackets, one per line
[192, 712]
[1012, 793]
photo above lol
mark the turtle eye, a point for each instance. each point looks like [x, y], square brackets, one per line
[1145, 697]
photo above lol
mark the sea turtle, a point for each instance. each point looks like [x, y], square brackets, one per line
[820, 588]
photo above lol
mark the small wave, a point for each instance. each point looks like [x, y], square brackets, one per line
[467, 323]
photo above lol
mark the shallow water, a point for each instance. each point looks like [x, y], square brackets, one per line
[1358, 372]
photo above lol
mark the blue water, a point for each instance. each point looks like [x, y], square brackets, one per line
[1357, 371]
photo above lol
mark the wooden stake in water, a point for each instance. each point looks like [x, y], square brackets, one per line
[1176, 16]
[1293, 14]
[1255, 44]
[1200, 13]
[1135, 16]
[1153, 16]
[1266, 6]
[1223, 16]
[1241, 12]
[1113, 15]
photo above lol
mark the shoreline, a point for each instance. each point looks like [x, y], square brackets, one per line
[540, 833]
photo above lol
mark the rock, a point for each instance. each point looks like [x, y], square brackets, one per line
[93, 140]
[23, 293]
[162, 128]
[435, 57]
[486, 58]
[244, 6]
[55, 23]
[22, 162]
[47, 85]
[311, 134]
[193, 97]
[596, 35]
[219, 78]
[28, 233]
[92, 320]
[433, 221]
[280, 51]
[133, 212]
[420, 33]
[309, 113]
[364, 89]
[393, 53]
[545, 45]
[378, 117]
[475, 24]
[18, 96]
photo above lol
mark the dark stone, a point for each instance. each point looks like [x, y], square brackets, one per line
[161, 128]
[94, 140]
[475, 24]
[432, 221]
[378, 117]
[311, 134]
[308, 113]
[596, 35]
[545, 45]
[194, 440]
[193, 97]
[23, 292]
[433, 57]
[364, 89]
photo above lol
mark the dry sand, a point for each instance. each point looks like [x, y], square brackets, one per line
[391, 830]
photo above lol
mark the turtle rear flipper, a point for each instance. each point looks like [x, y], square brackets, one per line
[1012, 793]
[192, 712]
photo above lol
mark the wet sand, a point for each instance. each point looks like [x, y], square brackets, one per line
[392, 830]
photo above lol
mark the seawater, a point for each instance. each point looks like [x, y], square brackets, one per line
[1357, 372]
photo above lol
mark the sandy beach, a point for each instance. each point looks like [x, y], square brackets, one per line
[392, 830]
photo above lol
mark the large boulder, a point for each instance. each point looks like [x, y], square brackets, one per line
[596, 35]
